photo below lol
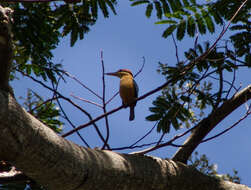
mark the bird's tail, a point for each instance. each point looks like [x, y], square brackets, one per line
[131, 113]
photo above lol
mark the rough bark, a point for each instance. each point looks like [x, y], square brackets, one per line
[60, 164]
[5, 47]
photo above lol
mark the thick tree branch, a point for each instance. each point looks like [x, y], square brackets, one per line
[207, 124]
[57, 163]
[5, 48]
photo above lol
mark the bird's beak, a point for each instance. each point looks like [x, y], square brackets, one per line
[112, 74]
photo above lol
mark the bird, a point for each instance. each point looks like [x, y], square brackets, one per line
[128, 89]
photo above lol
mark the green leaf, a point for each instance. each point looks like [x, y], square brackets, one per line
[140, 2]
[165, 6]
[173, 5]
[200, 23]
[94, 8]
[217, 17]
[208, 20]
[149, 9]
[110, 4]
[74, 36]
[103, 8]
[164, 126]
[153, 117]
[175, 123]
[193, 1]
[178, 4]
[169, 31]
[158, 9]
[166, 22]
[181, 30]
[186, 3]
[191, 26]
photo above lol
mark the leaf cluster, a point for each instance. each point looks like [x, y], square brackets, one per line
[187, 17]
[193, 92]
[45, 111]
[203, 164]
[38, 28]
[169, 111]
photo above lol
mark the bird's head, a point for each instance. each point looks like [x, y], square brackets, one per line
[120, 73]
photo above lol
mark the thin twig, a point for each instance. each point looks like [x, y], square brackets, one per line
[149, 132]
[160, 139]
[218, 100]
[164, 144]
[62, 110]
[233, 80]
[82, 84]
[70, 122]
[104, 104]
[225, 81]
[229, 128]
[85, 100]
[176, 49]
[140, 70]
[221, 133]
[112, 98]
[136, 146]
[45, 102]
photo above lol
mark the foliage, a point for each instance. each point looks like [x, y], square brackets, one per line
[34, 43]
[169, 110]
[189, 17]
[193, 93]
[202, 164]
[45, 111]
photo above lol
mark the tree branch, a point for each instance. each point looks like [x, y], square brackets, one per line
[207, 124]
[5, 48]
[35, 149]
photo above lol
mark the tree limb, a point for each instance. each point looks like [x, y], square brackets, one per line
[207, 124]
[56, 163]
[5, 48]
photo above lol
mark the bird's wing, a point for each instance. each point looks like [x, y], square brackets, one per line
[136, 89]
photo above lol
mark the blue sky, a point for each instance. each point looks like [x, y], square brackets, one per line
[125, 39]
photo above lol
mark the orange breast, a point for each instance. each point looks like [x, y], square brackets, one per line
[127, 90]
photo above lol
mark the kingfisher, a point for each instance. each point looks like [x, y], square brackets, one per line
[128, 89]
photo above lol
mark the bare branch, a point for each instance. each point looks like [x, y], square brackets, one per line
[229, 128]
[82, 84]
[140, 70]
[221, 133]
[208, 124]
[104, 104]
[85, 100]
[112, 97]
[70, 122]
[176, 49]
[149, 132]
